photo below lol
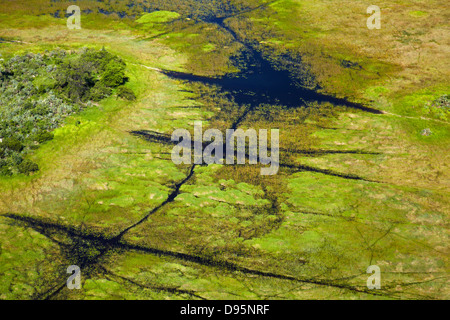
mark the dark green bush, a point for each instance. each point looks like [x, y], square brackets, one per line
[114, 74]
[43, 136]
[75, 78]
[27, 166]
[126, 93]
[99, 60]
[5, 171]
[99, 91]
[12, 144]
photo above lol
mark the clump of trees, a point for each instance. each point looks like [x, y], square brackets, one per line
[38, 91]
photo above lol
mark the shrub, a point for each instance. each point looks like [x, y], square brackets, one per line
[76, 78]
[27, 166]
[5, 171]
[439, 108]
[43, 136]
[99, 92]
[12, 144]
[114, 74]
[40, 110]
[99, 59]
[44, 84]
[442, 102]
[126, 93]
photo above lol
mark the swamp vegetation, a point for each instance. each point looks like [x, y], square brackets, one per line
[358, 184]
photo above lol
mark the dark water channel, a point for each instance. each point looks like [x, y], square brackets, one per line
[259, 82]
